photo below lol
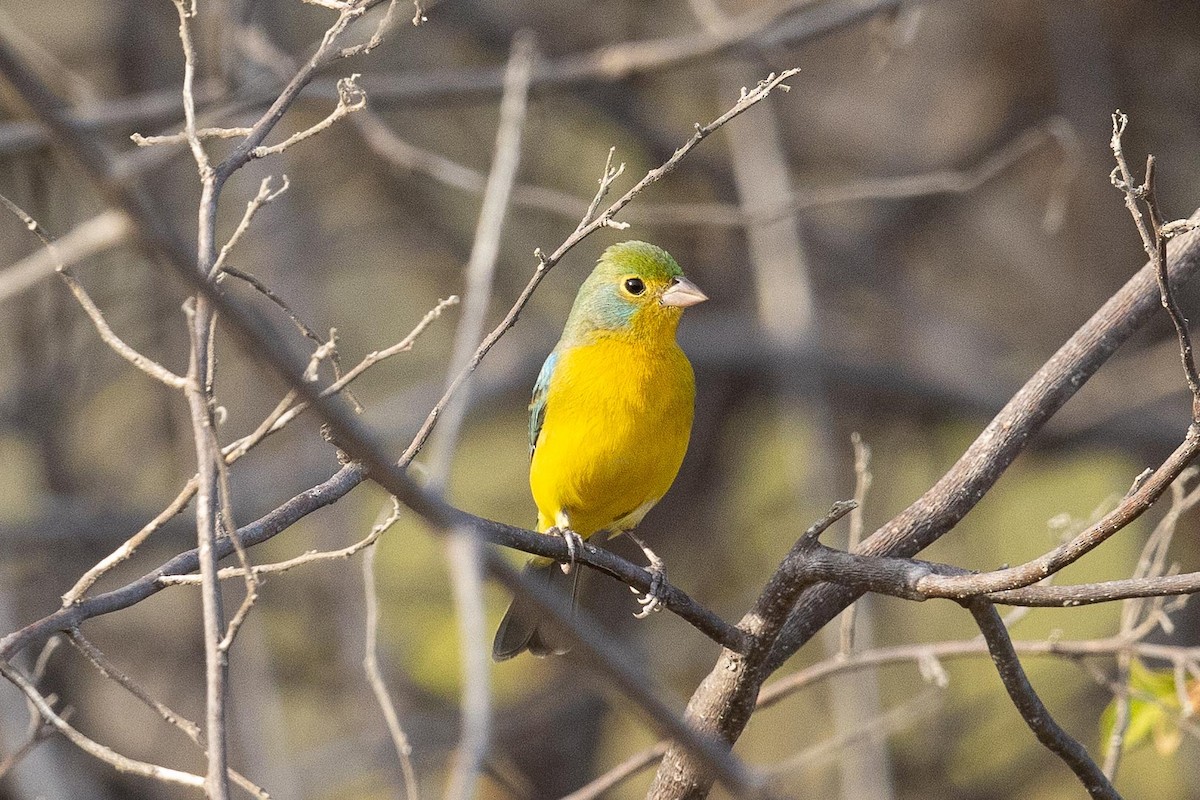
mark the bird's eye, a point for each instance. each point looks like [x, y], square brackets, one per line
[635, 286]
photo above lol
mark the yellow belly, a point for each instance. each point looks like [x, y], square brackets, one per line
[618, 418]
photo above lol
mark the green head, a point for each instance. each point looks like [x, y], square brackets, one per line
[635, 286]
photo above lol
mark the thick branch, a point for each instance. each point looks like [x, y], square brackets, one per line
[960, 489]
[725, 700]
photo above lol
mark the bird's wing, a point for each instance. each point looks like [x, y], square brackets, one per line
[537, 406]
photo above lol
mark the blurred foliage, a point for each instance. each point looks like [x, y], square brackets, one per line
[1155, 709]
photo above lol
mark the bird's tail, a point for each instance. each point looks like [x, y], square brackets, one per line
[524, 626]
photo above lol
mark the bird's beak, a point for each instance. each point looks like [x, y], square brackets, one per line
[683, 293]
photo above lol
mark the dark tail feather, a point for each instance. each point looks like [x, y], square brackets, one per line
[524, 627]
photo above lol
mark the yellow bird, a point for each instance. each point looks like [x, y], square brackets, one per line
[609, 421]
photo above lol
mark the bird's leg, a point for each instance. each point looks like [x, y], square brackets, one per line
[653, 599]
[574, 544]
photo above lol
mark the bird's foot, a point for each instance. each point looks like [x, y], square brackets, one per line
[574, 544]
[652, 600]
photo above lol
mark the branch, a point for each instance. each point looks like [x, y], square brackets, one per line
[371, 659]
[99, 234]
[91, 747]
[326, 51]
[726, 699]
[1145, 492]
[787, 24]
[1154, 239]
[957, 492]
[146, 365]
[328, 492]
[926, 656]
[201, 325]
[189, 728]
[351, 98]
[1035, 714]
[463, 549]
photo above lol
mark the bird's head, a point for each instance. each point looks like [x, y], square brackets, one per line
[635, 286]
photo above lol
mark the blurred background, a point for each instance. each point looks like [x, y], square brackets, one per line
[891, 248]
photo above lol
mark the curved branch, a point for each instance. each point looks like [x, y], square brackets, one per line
[1035, 714]
[959, 490]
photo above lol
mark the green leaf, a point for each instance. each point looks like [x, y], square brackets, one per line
[1154, 710]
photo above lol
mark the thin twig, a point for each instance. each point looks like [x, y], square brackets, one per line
[127, 548]
[381, 30]
[90, 746]
[862, 484]
[190, 729]
[265, 195]
[351, 98]
[371, 658]
[310, 557]
[101, 233]
[1154, 239]
[146, 365]
[231, 532]
[182, 137]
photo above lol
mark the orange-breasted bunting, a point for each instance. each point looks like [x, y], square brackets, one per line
[609, 421]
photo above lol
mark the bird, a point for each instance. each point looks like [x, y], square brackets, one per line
[609, 425]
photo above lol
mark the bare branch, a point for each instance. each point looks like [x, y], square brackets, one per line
[463, 549]
[275, 421]
[311, 557]
[862, 484]
[1155, 242]
[325, 52]
[99, 234]
[265, 195]
[944, 504]
[186, 13]
[1129, 509]
[146, 365]
[726, 699]
[189, 728]
[371, 657]
[351, 98]
[1048, 732]
[915, 654]
[91, 747]
[182, 136]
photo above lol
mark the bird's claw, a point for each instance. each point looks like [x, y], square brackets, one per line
[574, 544]
[653, 600]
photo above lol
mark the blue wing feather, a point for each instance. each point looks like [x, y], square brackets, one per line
[537, 406]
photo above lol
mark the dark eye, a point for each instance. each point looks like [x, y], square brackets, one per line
[634, 286]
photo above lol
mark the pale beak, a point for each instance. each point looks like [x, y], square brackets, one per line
[682, 293]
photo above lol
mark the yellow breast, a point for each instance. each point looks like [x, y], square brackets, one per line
[618, 418]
